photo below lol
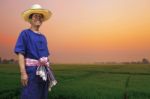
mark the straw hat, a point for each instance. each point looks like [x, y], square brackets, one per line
[36, 8]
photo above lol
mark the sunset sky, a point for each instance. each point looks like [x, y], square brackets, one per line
[83, 31]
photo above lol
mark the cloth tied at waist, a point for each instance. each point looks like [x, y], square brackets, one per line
[43, 70]
[33, 62]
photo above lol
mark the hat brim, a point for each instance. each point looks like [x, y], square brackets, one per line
[46, 13]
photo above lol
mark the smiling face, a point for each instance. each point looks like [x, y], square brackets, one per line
[36, 19]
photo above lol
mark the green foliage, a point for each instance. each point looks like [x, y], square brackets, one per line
[77, 81]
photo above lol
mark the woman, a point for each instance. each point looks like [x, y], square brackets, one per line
[31, 48]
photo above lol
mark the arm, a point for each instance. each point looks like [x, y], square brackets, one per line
[24, 76]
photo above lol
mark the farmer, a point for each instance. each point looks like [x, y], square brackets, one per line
[33, 54]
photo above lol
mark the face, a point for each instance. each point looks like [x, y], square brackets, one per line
[36, 19]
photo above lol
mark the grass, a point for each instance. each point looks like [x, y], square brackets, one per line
[77, 81]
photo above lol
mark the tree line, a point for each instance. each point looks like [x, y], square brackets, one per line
[8, 61]
[143, 61]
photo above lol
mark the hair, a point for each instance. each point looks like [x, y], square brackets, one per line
[30, 16]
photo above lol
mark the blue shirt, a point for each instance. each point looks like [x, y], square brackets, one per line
[31, 45]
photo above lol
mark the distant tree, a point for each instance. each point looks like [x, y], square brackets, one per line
[11, 61]
[145, 61]
[133, 62]
[0, 60]
[5, 61]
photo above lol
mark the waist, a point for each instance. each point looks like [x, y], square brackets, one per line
[33, 62]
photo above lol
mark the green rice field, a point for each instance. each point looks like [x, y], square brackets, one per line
[86, 81]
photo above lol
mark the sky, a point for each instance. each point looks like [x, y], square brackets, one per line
[83, 31]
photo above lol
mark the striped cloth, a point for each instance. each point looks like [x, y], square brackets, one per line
[43, 70]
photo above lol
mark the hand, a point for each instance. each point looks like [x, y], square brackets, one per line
[24, 79]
